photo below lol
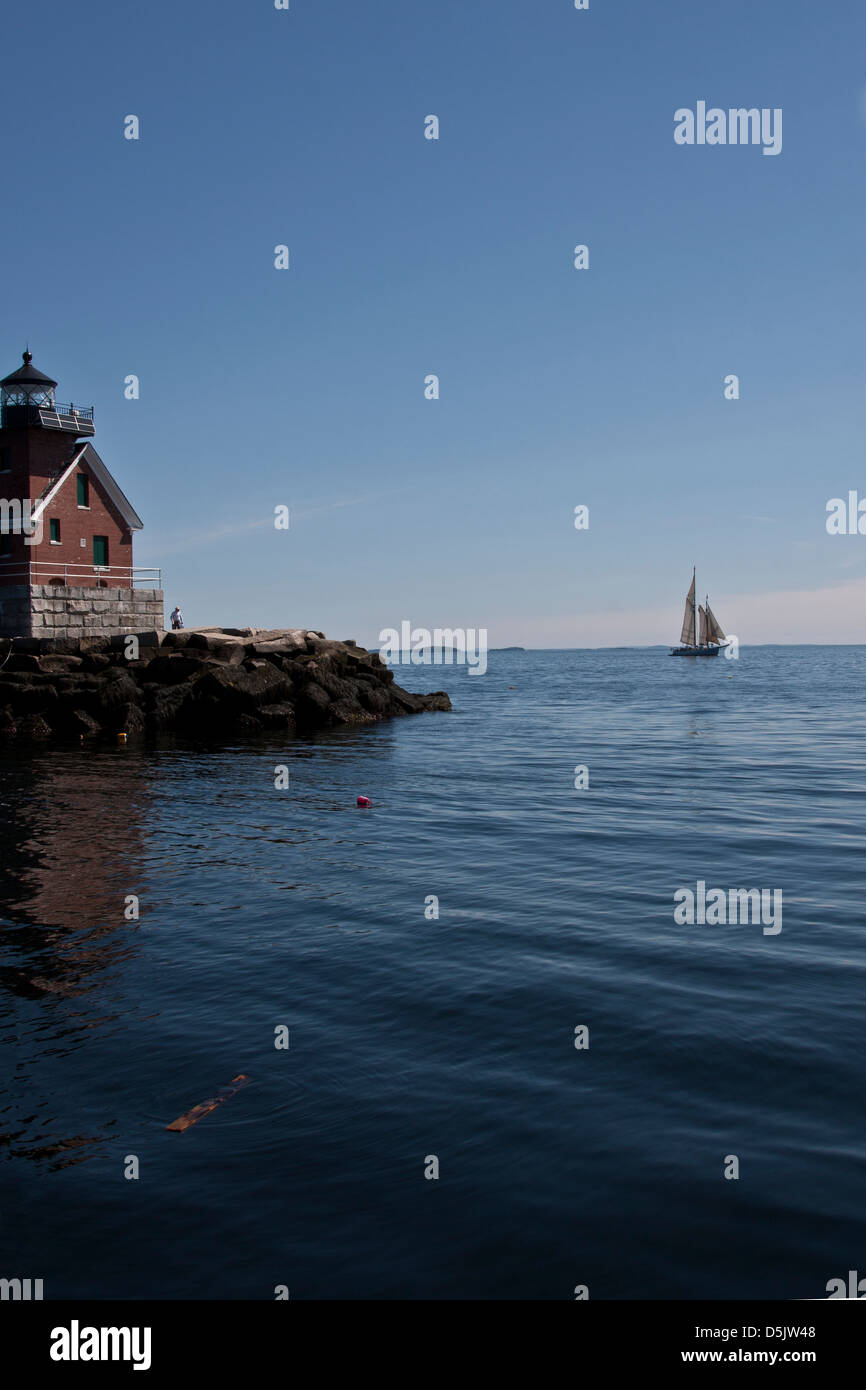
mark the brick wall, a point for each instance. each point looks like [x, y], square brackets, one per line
[46, 610]
[77, 524]
[35, 456]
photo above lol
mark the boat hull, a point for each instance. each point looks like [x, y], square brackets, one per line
[695, 651]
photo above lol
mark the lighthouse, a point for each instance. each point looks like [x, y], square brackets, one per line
[66, 527]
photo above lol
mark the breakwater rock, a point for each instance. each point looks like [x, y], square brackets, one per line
[201, 682]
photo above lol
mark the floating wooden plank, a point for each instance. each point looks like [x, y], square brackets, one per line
[199, 1111]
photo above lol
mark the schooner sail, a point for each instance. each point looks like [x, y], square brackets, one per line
[710, 635]
[715, 633]
[688, 633]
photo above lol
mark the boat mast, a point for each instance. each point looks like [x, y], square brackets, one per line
[687, 635]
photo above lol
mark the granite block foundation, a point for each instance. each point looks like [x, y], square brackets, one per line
[49, 610]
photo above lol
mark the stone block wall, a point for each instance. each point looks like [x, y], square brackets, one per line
[49, 610]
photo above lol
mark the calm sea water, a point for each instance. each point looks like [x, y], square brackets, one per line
[453, 1037]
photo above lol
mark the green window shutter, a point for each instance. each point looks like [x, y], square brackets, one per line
[83, 490]
[55, 529]
[100, 550]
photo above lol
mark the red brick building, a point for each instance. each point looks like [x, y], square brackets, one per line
[65, 524]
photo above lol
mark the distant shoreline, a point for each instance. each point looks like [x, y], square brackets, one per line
[651, 647]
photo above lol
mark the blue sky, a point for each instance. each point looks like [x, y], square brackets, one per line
[558, 387]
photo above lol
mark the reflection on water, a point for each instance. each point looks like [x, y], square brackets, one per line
[70, 843]
[71, 839]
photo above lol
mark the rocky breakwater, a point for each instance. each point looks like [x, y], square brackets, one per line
[205, 682]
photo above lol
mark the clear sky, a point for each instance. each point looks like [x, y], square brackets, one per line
[558, 387]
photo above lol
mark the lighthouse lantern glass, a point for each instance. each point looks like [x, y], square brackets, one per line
[37, 395]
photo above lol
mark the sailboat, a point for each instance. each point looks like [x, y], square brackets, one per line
[710, 635]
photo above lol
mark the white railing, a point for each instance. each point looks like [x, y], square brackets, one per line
[72, 576]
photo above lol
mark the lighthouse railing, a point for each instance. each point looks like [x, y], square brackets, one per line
[84, 412]
[66, 576]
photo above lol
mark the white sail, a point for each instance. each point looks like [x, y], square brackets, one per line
[687, 636]
[715, 633]
[702, 625]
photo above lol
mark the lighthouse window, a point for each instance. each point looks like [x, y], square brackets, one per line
[83, 490]
[5, 460]
[54, 531]
[100, 550]
[5, 545]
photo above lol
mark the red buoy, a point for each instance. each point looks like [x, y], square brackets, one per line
[364, 801]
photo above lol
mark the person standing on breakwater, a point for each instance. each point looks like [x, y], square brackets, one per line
[176, 617]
